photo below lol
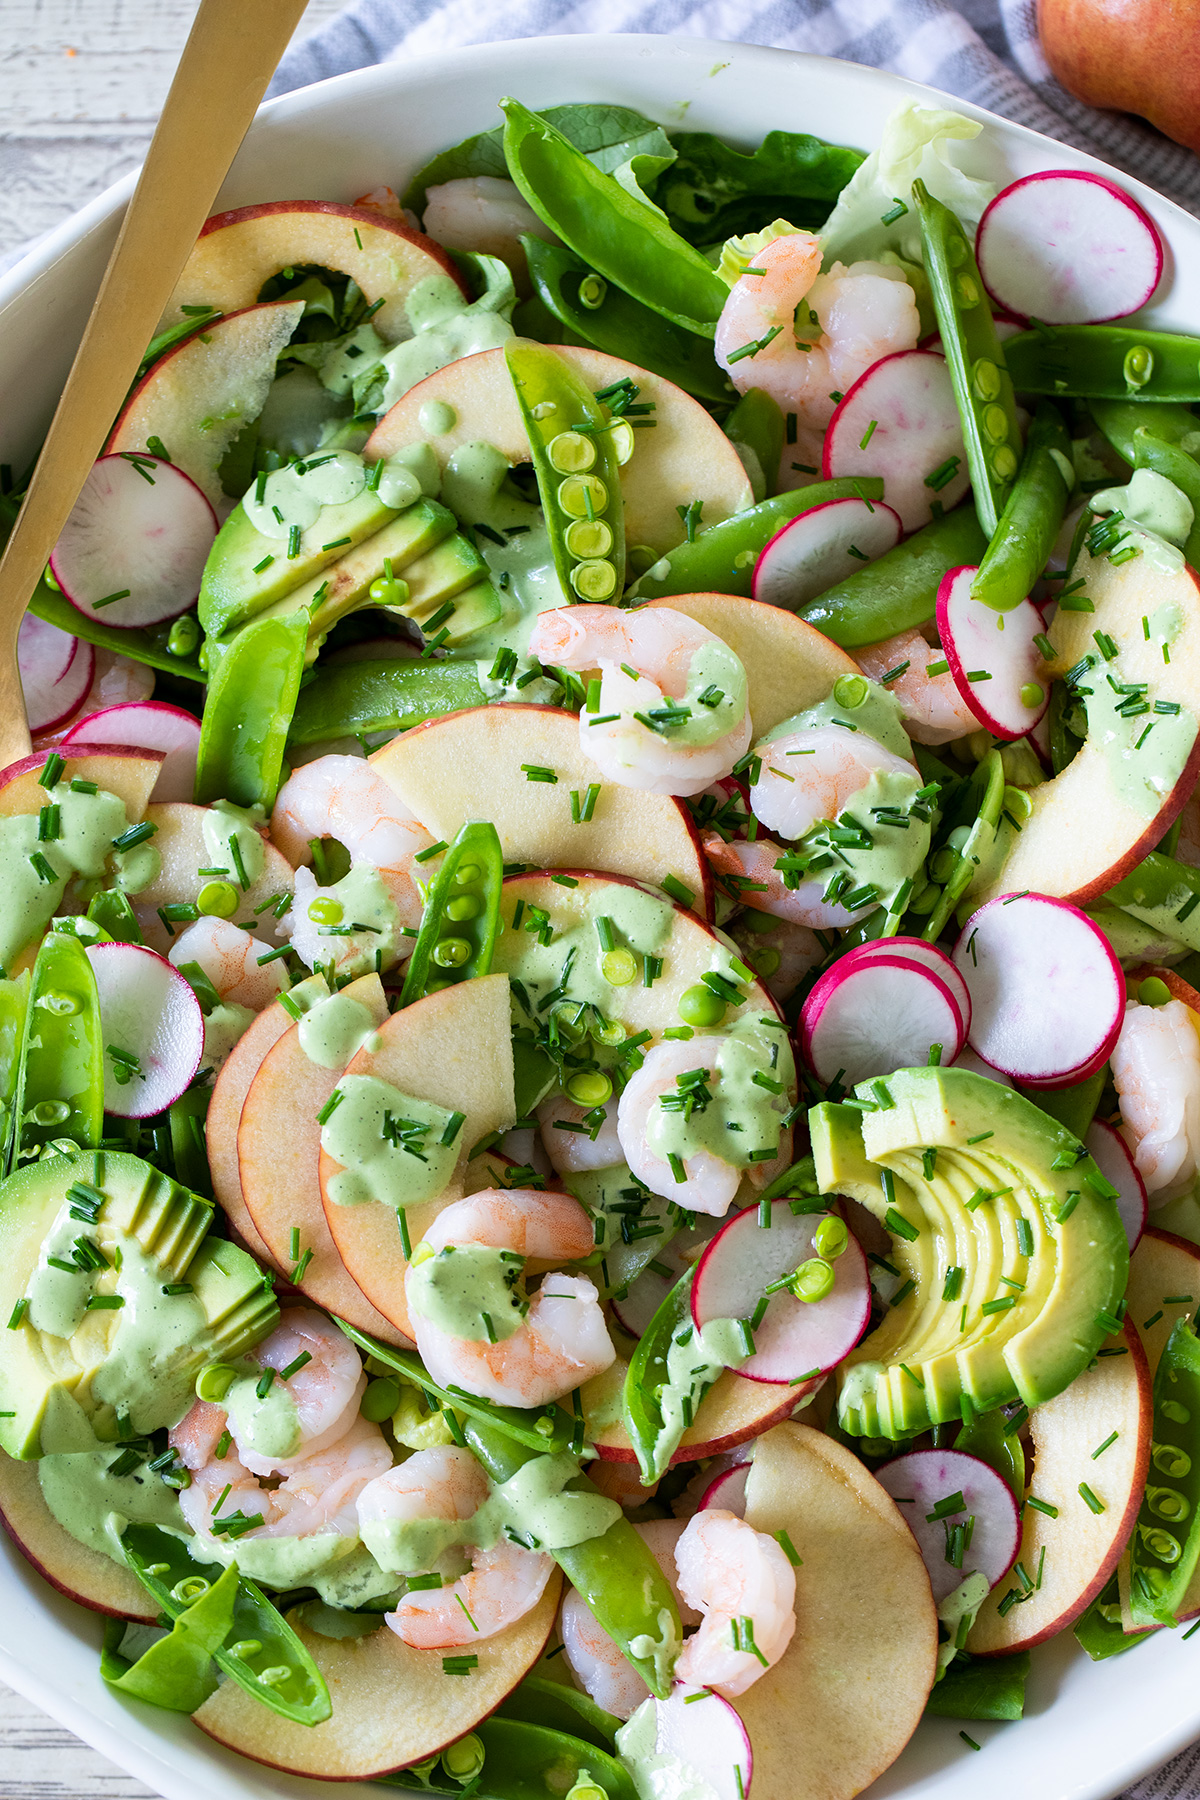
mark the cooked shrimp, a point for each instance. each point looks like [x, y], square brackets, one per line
[646, 659]
[749, 870]
[562, 1340]
[933, 710]
[828, 330]
[599, 1666]
[780, 956]
[746, 1589]
[229, 957]
[446, 1484]
[1156, 1069]
[326, 1389]
[482, 212]
[710, 1182]
[584, 1146]
[501, 1586]
[386, 202]
[815, 773]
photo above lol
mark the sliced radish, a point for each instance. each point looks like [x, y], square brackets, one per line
[140, 529]
[1039, 739]
[1047, 993]
[996, 666]
[149, 1013]
[873, 1017]
[1110, 1153]
[916, 950]
[900, 420]
[923, 1482]
[728, 1491]
[56, 672]
[1068, 248]
[709, 1738]
[147, 725]
[648, 1291]
[821, 547]
[794, 1337]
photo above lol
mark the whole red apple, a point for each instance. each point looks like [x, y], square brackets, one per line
[1139, 56]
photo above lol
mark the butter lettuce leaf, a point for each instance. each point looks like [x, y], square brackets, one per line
[916, 143]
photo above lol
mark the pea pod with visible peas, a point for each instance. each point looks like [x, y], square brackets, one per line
[1165, 1545]
[521, 1761]
[1104, 362]
[619, 237]
[575, 460]
[982, 385]
[178, 1671]
[461, 916]
[1033, 513]
[60, 1088]
[250, 700]
[899, 589]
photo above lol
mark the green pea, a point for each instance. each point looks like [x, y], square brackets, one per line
[590, 1087]
[589, 538]
[966, 290]
[1139, 365]
[1165, 1547]
[995, 423]
[581, 495]
[831, 1237]
[700, 1006]
[451, 953]
[1004, 462]
[466, 875]
[1153, 992]
[850, 690]
[985, 380]
[463, 1760]
[214, 1382]
[219, 900]
[758, 921]
[463, 907]
[1032, 695]
[325, 911]
[593, 291]
[571, 452]
[1168, 1503]
[766, 960]
[594, 580]
[388, 592]
[607, 1031]
[1171, 1409]
[619, 967]
[50, 1112]
[184, 635]
[812, 1280]
[1168, 1459]
[380, 1401]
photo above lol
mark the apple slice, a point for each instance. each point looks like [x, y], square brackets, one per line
[731, 1413]
[75, 1569]
[789, 664]
[1164, 1285]
[130, 774]
[848, 1693]
[179, 841]
[454, 1049]
[1127, 806]
[197, 397]
[686, 457]
[474, 765]
[1068, 1557]
[238, 252]
[221, 1123]
[392, 1706]
[278, 1150]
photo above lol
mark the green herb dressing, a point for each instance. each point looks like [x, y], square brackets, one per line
[223, 1027]
[356, 1580]
[223, 824]
[877, 715]
[445, 326]
[437, 417]
[740, 1119]
[895, 853]
[657, 1775]
[268, 1425]
[294, 496]
[336, 1029]
[277, 1562]
[465, 1288]
[364, 899]
[82, 1493]
[1160, 514]
[372, 1166]
[88, 824]
[1144, 776]
[694, 1361]
[642, 922]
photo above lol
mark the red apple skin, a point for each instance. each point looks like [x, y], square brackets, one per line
[716, 1446]
[357, 214]
[1139, 56]
[34, 764]
[1153, 835]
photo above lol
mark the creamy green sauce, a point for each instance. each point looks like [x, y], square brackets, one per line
[642, 924]
[278, 1562]
[962, 1603]
[735, 1117]
[1143, 776]
[356, 1580]
[656, 1775]
[335, 1030]
[445, 326]
[896, 852]
[871, 709]
[88, 824]
[714, 668]
[1160, 516]
[365, 901]
[694, 1361]
[223, 1027]
[82, 1493]
[268, 1425]
[369, 1133]
[294, 496]
[469, 1291]
[224, 824]
[858, 1381]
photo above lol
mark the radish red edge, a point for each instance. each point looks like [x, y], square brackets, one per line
[820, 547]
[929, 956]
[151, 1018]
[1033, 277]
[873, 431]
[29, 765]
[970, 632]
[56, 671]
[146, 725]
[708, 1736]
[924, 1482]
[727, 1491]
[872, 1043]
[135, 543]
[1111, 1155]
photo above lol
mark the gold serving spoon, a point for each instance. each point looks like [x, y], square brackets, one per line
[230, 56]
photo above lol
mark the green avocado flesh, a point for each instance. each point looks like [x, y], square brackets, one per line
[986, 1205]
[134, 1363]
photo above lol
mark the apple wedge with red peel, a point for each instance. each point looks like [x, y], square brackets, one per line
[1108, 1405]
[841, 1703]
[221, 1123]
[179, 841]
[130, 774]
[686, 457]
[1164, 1285]
[197, 397]
[238, 252]
[1127, 805]
[392, 1706]
[475, 765]
[453, 1049]
[731, 1413]
[278, 1149]
[75, 1569]
[789, 664]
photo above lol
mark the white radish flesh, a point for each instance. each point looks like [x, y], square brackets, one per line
[793, 1338]
[867, 1020]
[997, 668]
[1068, 248]
[916, 950]
[56, 672]
[149, 1013]
[709, 1738]
[148, 725]
[1047, 993]
[922, 1481]
[975, 1065]
[140, 529]
[900, 420]
[1110, 1153]
[728, 1491]
[821, 547]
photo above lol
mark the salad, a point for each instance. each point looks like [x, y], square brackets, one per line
[600, 970]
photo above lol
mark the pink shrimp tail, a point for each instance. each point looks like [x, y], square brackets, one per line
[564, 636]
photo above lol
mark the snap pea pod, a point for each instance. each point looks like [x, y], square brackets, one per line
[178, 1671]
[551, 1703]
[60, 1089]
[1157, 437]
[647, 1378]
[1103, 1636]
[899, 589]
[1165, 1545]
[722, 559]
[983, 388]
[111, 911]
[756, 427]
[527, 1762]
[624, 240]
[286, 1678]
[575, 461]
[143, 646]
[615, 1574]
[1163, 893]
[1074, 1107]
[1033, 513]
[461, 916]
[613, 321]
[14, 1011]
[188, 1148]
[973, 851]
[247, 711]
[987, 1687]
[1104, 362]
[353, 699]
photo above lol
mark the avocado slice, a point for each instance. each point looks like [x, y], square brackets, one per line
[72, 1375]
[992, 1187]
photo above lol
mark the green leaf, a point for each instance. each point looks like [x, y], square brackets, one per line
[713, 192]
[984, 1688]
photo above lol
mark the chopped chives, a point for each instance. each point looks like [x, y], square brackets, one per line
[1101, 1448]
[1042, 1506]
[1089, 1499]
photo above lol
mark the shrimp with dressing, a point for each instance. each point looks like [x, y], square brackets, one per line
[1156, 1070]
[575, 1139]
[598, 1664]
[932, 709]
[751, 870]
[671, 713]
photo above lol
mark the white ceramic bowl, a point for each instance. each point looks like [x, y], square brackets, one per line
[1090, 1729]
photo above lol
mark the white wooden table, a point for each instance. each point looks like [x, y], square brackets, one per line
[81, 84]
